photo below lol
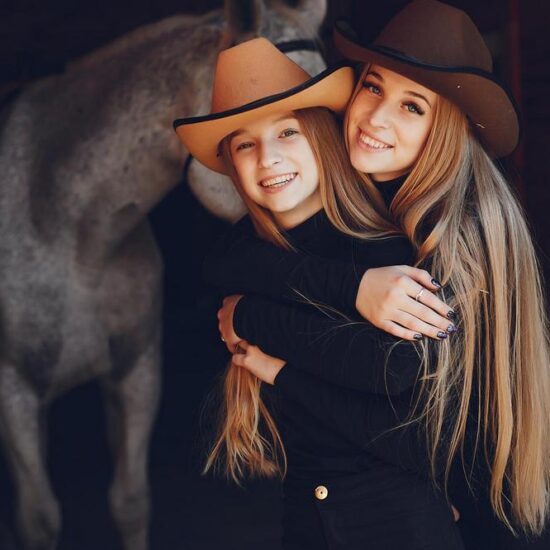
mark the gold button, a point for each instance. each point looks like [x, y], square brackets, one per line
[321, 492]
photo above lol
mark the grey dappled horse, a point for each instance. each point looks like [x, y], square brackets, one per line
[84, 156]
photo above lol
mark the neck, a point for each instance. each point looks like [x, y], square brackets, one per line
[296, 216]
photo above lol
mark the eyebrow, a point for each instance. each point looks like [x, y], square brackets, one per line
[409, 92]
[284, 117]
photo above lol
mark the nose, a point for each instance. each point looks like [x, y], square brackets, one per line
[380, 116]
[269, 155]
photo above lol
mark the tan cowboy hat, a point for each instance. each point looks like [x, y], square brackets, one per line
[439, 47]
[254, 79]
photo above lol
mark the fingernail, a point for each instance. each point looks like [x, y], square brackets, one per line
[417, 336]
[442, 335]
[451, 328]
[436, 283]
[451, 315]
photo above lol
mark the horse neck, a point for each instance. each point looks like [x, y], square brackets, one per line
[98, 142]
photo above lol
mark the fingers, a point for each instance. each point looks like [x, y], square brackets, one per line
[422, 277]
[427, 307]
[400, 332]
[435, 304]
[241, 347]
[415, 324]
[238, 359]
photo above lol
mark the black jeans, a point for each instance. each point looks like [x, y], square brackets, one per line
[375, 510]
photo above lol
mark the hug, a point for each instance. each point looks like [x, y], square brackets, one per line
[385, 310]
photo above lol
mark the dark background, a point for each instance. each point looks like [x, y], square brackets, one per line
[190, 511]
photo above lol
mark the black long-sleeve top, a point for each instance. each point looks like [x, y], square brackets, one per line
[332, 418]
[330, 427]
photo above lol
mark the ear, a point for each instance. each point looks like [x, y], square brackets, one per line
[312, 11]
[243, 19]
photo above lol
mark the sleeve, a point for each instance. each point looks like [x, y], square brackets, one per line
[243, 263]
[373, 423]
[351, 354]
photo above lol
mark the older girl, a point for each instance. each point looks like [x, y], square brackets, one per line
[428, 109]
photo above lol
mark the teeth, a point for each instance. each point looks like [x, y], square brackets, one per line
[278, 180]
[372, 142]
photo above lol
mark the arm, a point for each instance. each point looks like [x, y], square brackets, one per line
[350, 354]
[241, 262]
[371, 423]
[382, 295]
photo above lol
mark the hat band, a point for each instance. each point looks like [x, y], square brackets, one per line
[297, 46]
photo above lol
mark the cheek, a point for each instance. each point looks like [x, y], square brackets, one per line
[416, 136]
[245, 174]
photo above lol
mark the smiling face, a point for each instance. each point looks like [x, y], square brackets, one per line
[388, 123]
[276, 168]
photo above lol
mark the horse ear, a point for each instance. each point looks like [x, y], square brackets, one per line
[244, 19]
[312, 11]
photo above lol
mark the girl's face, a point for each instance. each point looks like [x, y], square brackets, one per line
[388, 123]
[276, 168]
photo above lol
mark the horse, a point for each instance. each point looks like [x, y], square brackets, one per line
[84, 157]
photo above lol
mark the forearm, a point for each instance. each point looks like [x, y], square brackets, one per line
[243, 263]
[351, 354]
[373, 423]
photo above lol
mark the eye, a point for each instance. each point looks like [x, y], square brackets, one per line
[372, 88]
[244, 145]
[288, 132]
[414, 108]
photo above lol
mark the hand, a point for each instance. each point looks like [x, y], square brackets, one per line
[456, 513]
[225, 322]
[253, 359]
[386, 298]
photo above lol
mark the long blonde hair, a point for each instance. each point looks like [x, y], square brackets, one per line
[459, 213]
[248, 443]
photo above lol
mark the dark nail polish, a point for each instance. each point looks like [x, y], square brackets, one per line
[436, 283]
[451, 328]
[417, 336]
[442, 335]
[451, 315]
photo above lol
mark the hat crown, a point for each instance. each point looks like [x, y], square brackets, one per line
[251, 71]
[436, 34]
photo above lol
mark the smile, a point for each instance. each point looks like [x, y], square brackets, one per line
[372, 143]
[278, 181]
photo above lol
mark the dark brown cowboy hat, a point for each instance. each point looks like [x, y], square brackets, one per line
[254, 79]
[439, 47]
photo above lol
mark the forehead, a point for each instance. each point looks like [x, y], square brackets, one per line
[398, 81]
[263, 123]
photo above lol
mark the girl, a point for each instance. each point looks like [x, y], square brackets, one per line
[485, 393]
[286, 160]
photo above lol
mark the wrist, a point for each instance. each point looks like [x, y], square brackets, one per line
[277, 374]
[361, 290]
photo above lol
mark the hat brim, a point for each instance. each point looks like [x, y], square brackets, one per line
[486, 101]
[202, 135]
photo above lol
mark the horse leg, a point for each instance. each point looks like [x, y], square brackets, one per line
[131, 404]
[22, 429]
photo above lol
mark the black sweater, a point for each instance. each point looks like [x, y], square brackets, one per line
[328, 426]
[337, 369]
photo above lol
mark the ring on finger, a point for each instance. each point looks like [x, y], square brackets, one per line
[417, 297]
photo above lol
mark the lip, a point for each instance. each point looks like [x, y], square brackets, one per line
[367, 147]
[279, 188]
